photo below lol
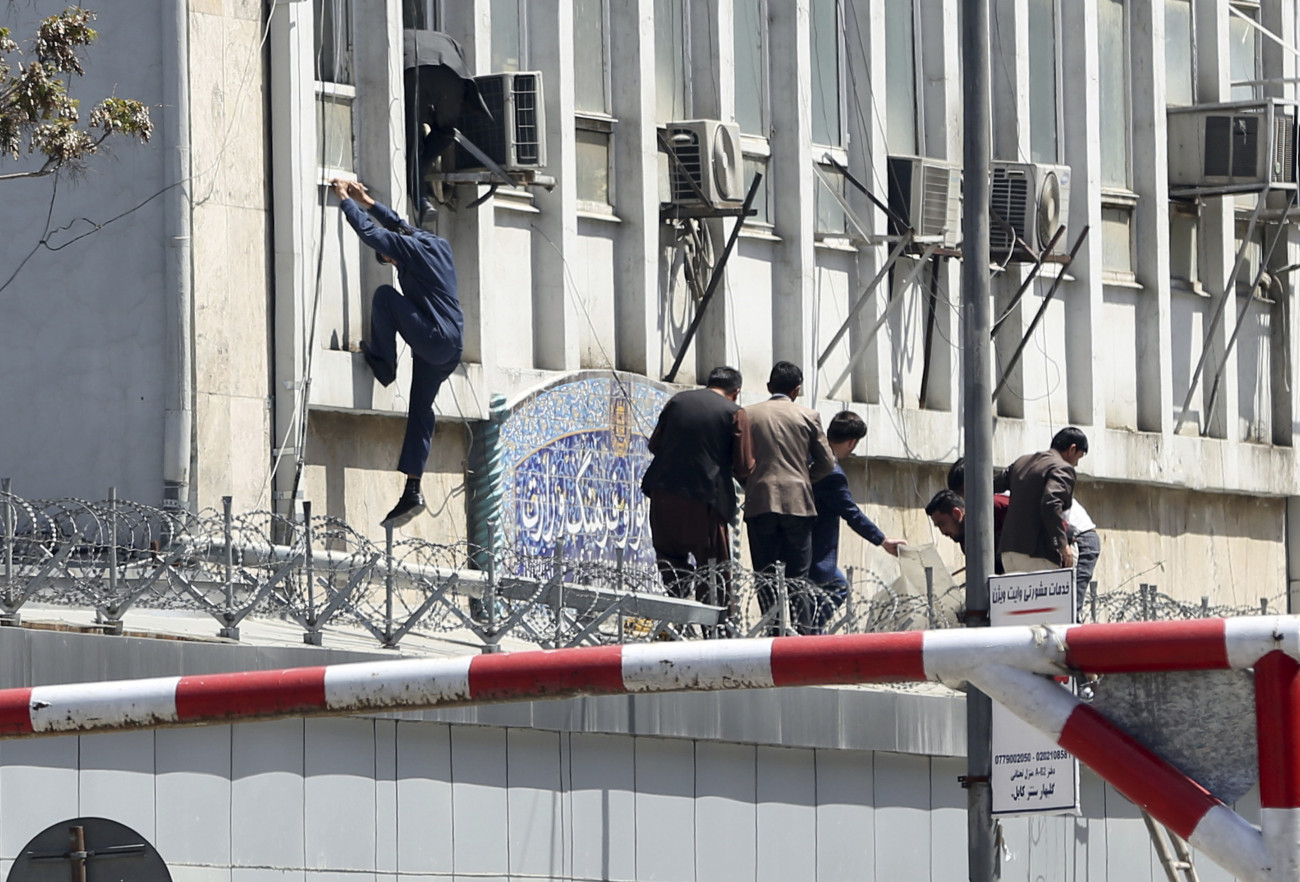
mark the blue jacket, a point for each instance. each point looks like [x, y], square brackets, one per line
[425, 269]
[834, 501]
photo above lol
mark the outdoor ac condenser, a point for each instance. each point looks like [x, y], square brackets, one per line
[705, 164]
[515, 136]
[925, 194]
[1237, 147]
[1034, 199]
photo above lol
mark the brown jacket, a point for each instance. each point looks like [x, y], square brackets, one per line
[790, 453]
[1042, 488]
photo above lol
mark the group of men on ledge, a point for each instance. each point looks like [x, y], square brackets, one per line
[796, 494]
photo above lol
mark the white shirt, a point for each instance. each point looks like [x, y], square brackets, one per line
[1077, 517]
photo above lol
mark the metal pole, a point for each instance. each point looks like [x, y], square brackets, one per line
[112, 543]
[230, 552]
[308, 562]
[6, 490]
[977, 423]
[388, 584]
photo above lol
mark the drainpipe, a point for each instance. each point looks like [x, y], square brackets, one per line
[178, 414]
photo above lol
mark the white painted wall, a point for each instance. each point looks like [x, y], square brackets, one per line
[374, 799]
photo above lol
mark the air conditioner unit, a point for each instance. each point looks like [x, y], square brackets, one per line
[925, 194]
[1237, 147]
[1034, 199]
[705, 165]
[515, 135]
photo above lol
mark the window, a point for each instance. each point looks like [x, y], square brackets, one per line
[1112, 44]
[1185, 245]
[1116, 242]
[1117, 200]
[1180, 65]
[333, 32]
[334, 131]
[509, 36]
[830, 216]
[672, 55]
[753, 107]
[332, 28]
[1044, 84]
[827, 125]
[900, 78]
[750, 46]
[1243, 52]
[593, 123]
[420, 15]
[756, 156]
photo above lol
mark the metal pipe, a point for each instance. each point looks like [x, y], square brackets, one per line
[229, 553]
[6, 491]
[112, 542]
[976, 362]
[178, 415]
[1038, 316]
[308, 563]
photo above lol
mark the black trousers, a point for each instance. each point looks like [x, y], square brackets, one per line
[779, 538]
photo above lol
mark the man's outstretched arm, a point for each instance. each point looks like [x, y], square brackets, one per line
[358, 207]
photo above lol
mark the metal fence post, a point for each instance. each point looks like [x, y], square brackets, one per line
[850, 619]
[112, 542]
[388, 585]
[782, 599]
[1092, 600]
[309, 565]
[929, 595]
[227, 533]
[557, 573]
[6, 491]
[618, 582]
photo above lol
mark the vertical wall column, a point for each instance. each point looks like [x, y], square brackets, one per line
[1151, 217]
[872, 379]
[713, 93]
[1218, 230]
[1277, 718]
[555, 303]
[471, 230]
[792, 186]
[637, 303]
[1081, 113]
[1009, 71]
[1280, 18]
[293, 173]
[942, 122]
[379, 129]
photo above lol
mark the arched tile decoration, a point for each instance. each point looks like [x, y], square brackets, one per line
[569, 463]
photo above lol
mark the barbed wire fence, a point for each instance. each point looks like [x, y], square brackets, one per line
[114, 556]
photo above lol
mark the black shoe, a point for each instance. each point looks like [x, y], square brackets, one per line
[385, 372]
[410, 505]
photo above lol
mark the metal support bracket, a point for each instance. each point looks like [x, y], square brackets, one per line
[714, 278]
[1038, 316]
[863, 345]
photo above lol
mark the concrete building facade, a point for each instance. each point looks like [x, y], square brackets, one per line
[187, 323]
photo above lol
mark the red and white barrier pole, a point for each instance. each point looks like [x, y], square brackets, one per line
[1277, 721]
[1001, 662]
[1150, 782]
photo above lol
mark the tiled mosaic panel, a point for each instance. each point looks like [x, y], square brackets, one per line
[572, 459]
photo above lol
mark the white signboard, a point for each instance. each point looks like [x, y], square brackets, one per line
[1031, 773]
